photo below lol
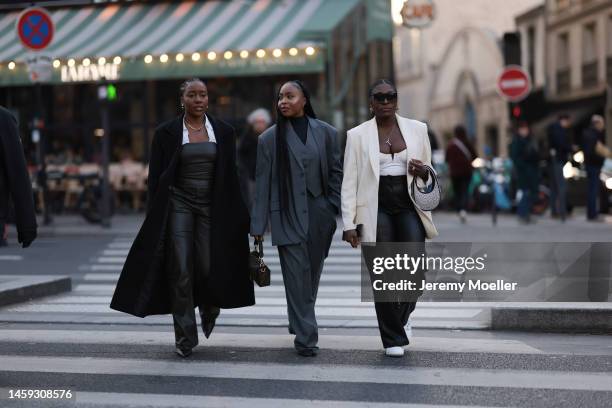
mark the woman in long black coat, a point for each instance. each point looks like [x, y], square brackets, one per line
[192, 249]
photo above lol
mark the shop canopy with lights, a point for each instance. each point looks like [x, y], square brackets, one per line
[126, 42]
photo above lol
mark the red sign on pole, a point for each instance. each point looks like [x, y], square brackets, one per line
[35, 28]
[514, 83]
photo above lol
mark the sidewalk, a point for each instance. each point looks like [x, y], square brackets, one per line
[19, 289]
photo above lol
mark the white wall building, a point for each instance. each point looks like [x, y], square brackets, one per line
[447, 73]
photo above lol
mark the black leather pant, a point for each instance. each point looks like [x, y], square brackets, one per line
[398, 221]
[189, 236]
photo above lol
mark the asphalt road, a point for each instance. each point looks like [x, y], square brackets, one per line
[74, 341]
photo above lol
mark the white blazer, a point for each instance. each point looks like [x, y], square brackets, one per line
[362, 173]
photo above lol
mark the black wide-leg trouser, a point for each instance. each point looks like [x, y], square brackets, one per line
[398, 221]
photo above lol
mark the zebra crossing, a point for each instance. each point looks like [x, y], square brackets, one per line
[110, 366]
[109, 359]
[338, 303]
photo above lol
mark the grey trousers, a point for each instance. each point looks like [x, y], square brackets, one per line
[301, 266]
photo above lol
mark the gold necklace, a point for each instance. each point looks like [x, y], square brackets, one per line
[193, 128]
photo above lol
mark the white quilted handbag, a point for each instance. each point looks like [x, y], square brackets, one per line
[427, 198]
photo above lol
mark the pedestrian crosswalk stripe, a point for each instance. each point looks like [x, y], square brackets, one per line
[325, 277]
[115, 252]
[105, 267]
[198, 401]
[117, 245]
[271, 263]
[342, 260]
[372, 342]
[257, 310]
[276, 287]
[463, 377]
[263, 300]
[124, 249]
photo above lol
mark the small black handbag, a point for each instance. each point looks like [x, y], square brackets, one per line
[260, 273]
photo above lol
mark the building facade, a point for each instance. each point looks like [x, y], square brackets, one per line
[447, 73]
[567, 45]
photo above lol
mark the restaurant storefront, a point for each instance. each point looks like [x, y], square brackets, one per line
[244, 49]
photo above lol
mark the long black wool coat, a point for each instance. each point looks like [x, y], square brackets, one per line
[143, 287]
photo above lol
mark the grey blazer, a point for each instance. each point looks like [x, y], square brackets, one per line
[288, 226]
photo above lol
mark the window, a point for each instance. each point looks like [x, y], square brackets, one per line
[563, 51]
[563, 67]
[609, 47]
[589, 43]
[562, 4]
[609, 36]
[531, 54]
[408, 50]
[589, 56]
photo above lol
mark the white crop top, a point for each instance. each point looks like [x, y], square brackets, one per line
[394, 166]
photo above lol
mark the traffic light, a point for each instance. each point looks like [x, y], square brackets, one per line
[511, 47]
[516, 111]
[111, 92]
[107, 93]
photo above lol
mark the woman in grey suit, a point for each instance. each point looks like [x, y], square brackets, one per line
[298, 178]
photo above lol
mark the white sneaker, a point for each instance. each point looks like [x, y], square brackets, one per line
[394, 351]
[463, 216]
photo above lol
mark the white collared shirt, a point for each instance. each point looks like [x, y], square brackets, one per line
[209, 130]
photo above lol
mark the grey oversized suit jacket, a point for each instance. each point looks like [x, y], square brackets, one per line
[288, 225]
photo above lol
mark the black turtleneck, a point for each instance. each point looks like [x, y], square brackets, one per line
[300, 126]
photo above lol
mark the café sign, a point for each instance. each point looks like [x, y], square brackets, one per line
[93, 72]
[418, 13]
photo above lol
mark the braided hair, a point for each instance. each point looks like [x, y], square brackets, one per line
[380, 82]
[187, 82]
[282, 148]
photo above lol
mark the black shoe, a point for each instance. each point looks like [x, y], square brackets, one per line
[307, 352]
[183, 352]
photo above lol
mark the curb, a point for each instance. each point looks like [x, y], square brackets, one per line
[551, 319]
[17, 289]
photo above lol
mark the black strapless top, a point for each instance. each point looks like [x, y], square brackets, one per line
[196, 169]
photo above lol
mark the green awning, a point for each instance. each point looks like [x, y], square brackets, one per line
[213, 29]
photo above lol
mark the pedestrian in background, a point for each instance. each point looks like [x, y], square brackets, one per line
[593, 139]
[381, 158]
[258, 121]
[298, 180]
[560, 147]
[15, 182]
[459, 155]
[193, 247]
[525, 157]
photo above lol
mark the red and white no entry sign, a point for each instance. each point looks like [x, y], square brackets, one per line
[514, 83]
[35, 28]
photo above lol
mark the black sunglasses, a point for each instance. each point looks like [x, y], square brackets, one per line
[381, 97]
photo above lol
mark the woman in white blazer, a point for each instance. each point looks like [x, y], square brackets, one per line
[381, 158]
